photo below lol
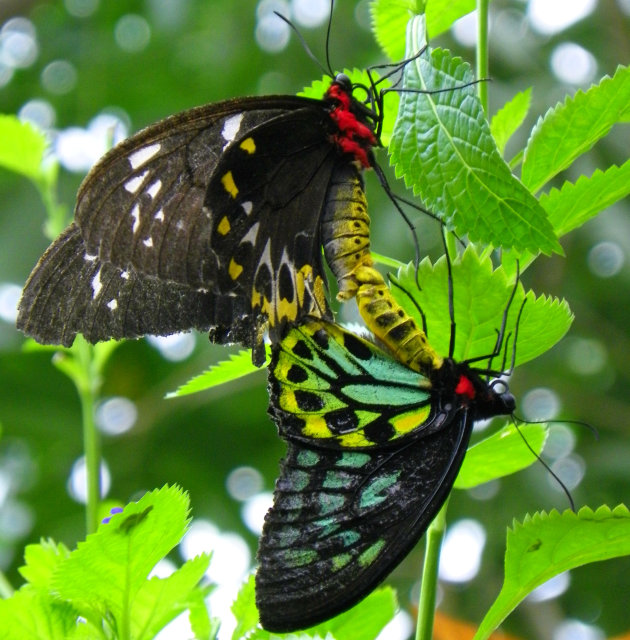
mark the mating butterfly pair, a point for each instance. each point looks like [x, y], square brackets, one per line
[214, 219]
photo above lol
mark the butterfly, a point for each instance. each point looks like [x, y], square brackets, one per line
[214, 219]
[373, 450]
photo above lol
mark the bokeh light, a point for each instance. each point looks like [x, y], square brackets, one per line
[460, 556]
[606, 259]
[132, 33]
[116, 416]
[77, 481]
[573, 64]
[553, 588]
[540, 404]
[549, 18]
[175, 347]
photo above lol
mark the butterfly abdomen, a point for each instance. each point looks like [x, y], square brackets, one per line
[345, 229]
[391, 324]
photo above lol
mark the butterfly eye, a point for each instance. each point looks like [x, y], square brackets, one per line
[344, 81]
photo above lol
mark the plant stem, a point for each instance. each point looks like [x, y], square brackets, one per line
[87, 388]
[428, 588]
[483, 67]
[6, 590]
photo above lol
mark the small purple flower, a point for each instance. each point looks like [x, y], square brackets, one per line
[113, 511]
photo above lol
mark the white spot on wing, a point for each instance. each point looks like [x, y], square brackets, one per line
[247, 206]
[112, 304]
[148, 242]
[124, 275]
[231, 127]
[154, 189]
[139, 157]
[89, 258]
[159, 215]
[97, 285]
[135, 214]
[251, 235]
[134, 183]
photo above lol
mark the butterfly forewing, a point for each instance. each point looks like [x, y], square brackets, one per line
[221, 204]
[328, 384]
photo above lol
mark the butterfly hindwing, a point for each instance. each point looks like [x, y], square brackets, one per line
[344, 516]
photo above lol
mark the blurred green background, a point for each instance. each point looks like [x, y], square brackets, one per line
[64, 63]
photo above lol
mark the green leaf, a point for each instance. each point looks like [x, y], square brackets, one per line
[41, 560]
[107, 571]
[545, 545]
[443, 147]
[574, 204]
[244, 610]
[236, 367]
[21, 147]
[160, 600]
[363, 622]
[480, 296]
[30, 614]
[501, 454]
[390, 17]
[571, 128]
[202, 625]
[510, 117]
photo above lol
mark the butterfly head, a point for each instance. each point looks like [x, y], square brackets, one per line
[471, 391]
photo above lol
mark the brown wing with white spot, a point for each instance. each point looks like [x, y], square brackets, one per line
[72, 291]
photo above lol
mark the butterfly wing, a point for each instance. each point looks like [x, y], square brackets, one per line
[343, 517]
[328, 385]
[161, 206]
[72, 291]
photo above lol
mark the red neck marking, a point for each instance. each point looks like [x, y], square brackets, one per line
[353, 137]
[465, 388]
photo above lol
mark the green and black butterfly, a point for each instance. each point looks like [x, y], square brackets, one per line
[213, 219]
[373, 450]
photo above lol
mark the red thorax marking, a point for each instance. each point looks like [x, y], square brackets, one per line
[465, 387]
[354, 137]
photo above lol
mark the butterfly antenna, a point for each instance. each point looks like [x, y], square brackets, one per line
[328, 32]
[554, 475]
[393, 280]
[305, 46]
[451, 297]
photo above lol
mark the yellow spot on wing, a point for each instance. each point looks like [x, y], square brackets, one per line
[355, 439]
[248, 145]
[407, 422]
[228, 183]
[315, 427]
[224, 226]
[235, 269]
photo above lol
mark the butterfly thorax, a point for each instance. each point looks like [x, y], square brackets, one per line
[460, 384]
[353, 133]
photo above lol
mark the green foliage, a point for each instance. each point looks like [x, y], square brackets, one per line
[105, 580]
[510, 117]
[547, 544]
[236, 367]
[443, 147]
[480, 295]
[570, 129]
[502, 453]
